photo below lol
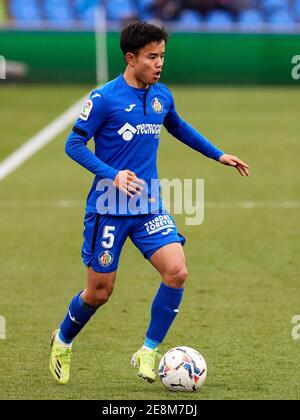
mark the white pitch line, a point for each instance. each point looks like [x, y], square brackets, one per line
[63, 204]
[41, 139]
[253, 204]
[247, 205]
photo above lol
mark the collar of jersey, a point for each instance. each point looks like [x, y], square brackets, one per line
[138, 91]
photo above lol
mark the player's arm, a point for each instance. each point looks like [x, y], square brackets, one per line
[192, 138]
[91, 118]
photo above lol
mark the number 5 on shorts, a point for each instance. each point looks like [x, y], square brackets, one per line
[108, 237]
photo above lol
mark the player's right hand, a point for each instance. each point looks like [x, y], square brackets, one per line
[127, 182]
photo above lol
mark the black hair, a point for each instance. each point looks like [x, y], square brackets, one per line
[139, 34]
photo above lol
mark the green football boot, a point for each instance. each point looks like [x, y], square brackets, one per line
[60, 359]
[145, 360]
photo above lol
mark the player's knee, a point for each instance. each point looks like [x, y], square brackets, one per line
[98, 296]
[101, 297]
[99, 289]
[181, 277]
[176, 277]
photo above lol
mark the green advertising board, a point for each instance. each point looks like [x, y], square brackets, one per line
[205, 58]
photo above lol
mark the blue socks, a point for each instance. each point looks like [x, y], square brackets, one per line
[150, 344]
[78, 315]
[163, 312]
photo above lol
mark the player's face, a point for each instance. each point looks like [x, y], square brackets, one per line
[149, 62]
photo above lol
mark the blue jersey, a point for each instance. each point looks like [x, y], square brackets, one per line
[126, 123]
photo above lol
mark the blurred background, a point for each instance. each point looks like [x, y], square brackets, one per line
[220, 41]
[187, 14]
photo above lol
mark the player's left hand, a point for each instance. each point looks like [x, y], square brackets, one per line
[230, 160]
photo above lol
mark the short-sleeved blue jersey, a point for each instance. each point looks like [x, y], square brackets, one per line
[126, 123]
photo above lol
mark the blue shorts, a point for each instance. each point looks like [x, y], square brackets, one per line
[105, 235]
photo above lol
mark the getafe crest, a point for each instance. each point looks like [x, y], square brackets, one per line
[157, 106]
[105, 259]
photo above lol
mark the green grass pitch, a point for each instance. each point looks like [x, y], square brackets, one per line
[243, 287]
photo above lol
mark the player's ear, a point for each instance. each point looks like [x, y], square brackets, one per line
[130, 59]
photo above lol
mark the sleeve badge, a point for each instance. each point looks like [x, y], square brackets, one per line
[85, 113]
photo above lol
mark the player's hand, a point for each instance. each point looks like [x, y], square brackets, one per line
[229, 160]
[127, 182]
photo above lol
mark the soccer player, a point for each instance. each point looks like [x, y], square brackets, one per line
[125, 117]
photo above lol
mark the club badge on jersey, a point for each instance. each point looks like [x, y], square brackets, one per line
[157, 106]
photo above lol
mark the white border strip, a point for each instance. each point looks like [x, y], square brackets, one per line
[36, 143]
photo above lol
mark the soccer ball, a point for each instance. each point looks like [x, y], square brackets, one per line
[182, 369]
